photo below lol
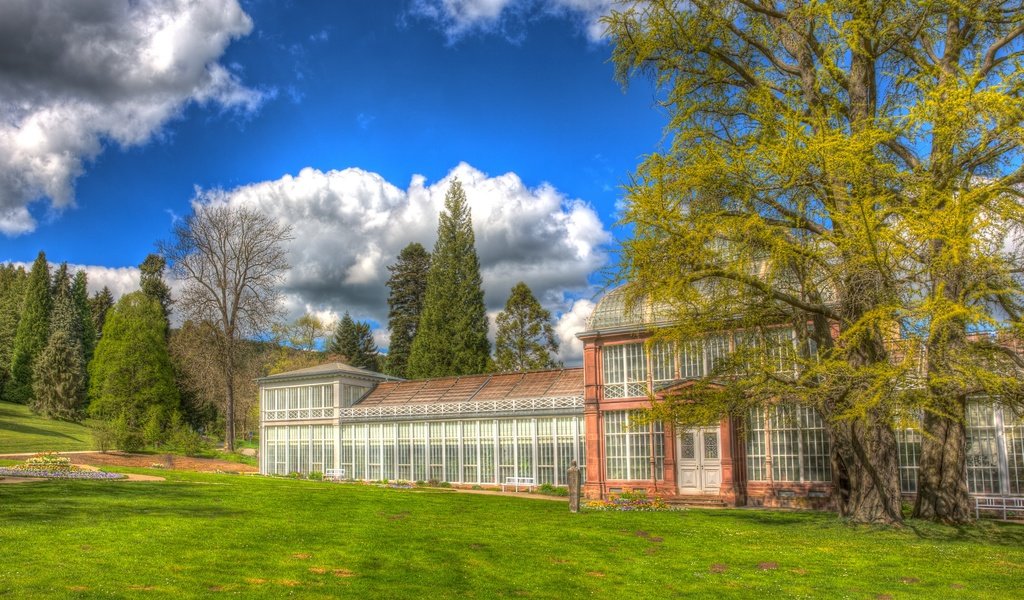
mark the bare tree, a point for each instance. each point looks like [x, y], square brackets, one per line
[231, 261]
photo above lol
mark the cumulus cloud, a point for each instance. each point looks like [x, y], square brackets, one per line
[75, 75]
[571, 322]
[119, 280]
[457, 18]
[349, 225]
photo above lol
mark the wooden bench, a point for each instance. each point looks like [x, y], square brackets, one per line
[334, 474]
[1003, 504]
[527, 482]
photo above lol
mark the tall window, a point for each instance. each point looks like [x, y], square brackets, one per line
[795, 439]
[982, 449]
[630, 447]
[625, 371]
[663, 363]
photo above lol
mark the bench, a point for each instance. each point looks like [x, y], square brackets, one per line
[527, 482]
[334, 474]
[1004, 504]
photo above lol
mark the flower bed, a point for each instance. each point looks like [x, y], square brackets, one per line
[54, 466]
[630, 501]
[57, 474]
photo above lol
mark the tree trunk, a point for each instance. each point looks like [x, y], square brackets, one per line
[941, 477]
[229, 410]
[865, 471]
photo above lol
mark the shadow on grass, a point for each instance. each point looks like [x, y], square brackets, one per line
[29, 430]
[982, 532]
[61, 501]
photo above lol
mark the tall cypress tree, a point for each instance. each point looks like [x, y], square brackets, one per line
[83, 312]
[33, 331]
[526, 338]
[452, 335]
[354, 340]
[12, 294]
[408, 285]
[59, 380]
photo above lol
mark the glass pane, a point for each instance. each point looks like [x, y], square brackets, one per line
[711, 444]
[687, 449]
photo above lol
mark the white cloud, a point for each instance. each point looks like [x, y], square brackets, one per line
[571, 322]
[349, 225]
[119, 280]
[75, 75]
[457, 18]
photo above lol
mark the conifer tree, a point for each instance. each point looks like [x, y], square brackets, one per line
[101, 302]
[526, 338]
[354, 340]
[131, 377]
[83, 312]
[408, 285]
[61, 281]
[151, 281]
[59, 376]
[12, 293]
[452, 334]
[33, 331]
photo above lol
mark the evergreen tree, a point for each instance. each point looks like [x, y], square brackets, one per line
[33, 331]
[526, 338]
[59, 378]
[408, 285]
[131, 378]
[12, 294]
[151, 281]
[452, 334]
[83, 312]
[354, 340]
[61, 281]
[101, 302]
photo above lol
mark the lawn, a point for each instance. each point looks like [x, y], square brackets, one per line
[197, 534]
[22, 431]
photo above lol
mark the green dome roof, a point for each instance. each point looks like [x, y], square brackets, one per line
[614, 312]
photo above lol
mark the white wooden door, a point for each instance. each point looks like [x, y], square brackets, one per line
[700, 462]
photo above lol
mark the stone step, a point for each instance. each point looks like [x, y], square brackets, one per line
[697, 501]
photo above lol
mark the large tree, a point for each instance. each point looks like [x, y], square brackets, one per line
[354, 340]
[408, 288]
[452, 334]
[525, 338]
[12, 292]
[33, 331]
[59, 373]
[101, 302]
[231, 261]
[837, 166]
[151, 281]
[304, 332]
[131, 379]
[83, 312]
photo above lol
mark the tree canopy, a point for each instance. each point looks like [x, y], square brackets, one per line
[852, 170]
[408, 287]
[33, 331]
[452, 334]
[354, 340]
[525, 338]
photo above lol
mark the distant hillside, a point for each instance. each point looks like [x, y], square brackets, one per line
[22, 431]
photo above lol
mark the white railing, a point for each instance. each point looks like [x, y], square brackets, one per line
[462, 408]
[298, 413]
[1003, 504]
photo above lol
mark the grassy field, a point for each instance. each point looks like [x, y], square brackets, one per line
[195, 535]
[22, 431]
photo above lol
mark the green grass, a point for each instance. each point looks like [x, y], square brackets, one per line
[22, 431]
[196, 534]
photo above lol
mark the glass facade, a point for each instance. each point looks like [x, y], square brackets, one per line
[795, 440]
[995, 451]
[297, 402]
[484, 451]
[298, 449]
[631, 448]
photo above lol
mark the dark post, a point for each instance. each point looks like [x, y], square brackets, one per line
[574, 487]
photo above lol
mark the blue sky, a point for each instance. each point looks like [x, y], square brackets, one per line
[391, 90]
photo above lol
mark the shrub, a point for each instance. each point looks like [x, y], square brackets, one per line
[550, 490]
[316, 476]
